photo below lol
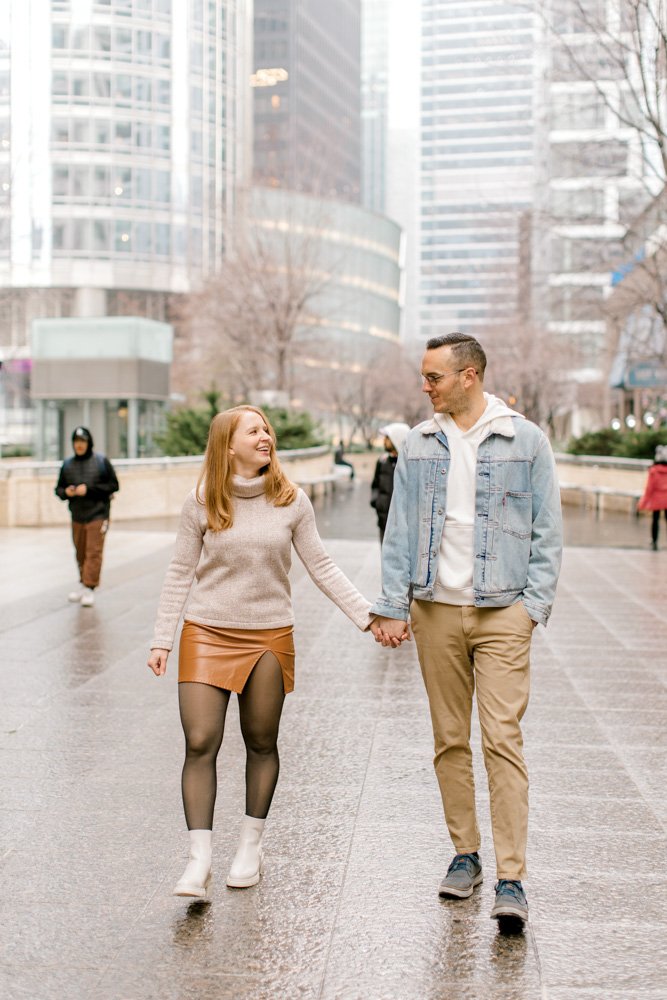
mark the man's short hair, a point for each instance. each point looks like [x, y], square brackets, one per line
[468, 352]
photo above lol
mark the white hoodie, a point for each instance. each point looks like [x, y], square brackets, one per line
[453, 583]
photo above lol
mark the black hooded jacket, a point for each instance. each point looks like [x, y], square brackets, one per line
[97, 472]
[382, 487]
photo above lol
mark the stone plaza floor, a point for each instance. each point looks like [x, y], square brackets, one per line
[92, 837]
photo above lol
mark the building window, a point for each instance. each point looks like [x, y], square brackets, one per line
[101, 182]
[102, 39]
[60, 181]
[123, 237]
[102, 130]
[101, 235]
[123, 89]
[59, 38]
[162, 242]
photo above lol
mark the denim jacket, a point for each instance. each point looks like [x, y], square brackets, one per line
[517, 531]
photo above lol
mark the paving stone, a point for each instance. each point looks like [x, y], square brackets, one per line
[92, 837]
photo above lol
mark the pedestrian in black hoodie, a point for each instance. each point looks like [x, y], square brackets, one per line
[87, 480]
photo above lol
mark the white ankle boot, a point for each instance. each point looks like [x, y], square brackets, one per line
[197, 875]
[248, 864]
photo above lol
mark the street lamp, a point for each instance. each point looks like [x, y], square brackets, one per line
[615, 424]
[649, 418]
[631, 421]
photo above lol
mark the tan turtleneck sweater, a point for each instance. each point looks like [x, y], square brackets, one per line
[241, 573]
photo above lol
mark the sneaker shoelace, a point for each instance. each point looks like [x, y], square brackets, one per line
[510, 888]
[459, 862]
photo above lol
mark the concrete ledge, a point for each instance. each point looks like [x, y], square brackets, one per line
[600, 498]
[152, 487]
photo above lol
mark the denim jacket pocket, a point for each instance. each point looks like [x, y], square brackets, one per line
[518, 514]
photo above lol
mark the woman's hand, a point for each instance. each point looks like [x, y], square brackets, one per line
[157, 661]
[390, 631]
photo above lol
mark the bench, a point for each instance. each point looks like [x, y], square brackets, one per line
[600, 498]
[315, 486]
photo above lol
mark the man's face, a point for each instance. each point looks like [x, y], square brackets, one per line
[80, 446]
[447, 394]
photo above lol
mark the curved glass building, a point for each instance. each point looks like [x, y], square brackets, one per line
[121, 139]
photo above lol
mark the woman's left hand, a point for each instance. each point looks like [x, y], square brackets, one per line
[157, 661]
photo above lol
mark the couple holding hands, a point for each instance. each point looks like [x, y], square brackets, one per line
[471, 556]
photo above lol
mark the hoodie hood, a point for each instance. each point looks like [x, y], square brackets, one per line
[83, 434]
[496, 419]
[396, 433]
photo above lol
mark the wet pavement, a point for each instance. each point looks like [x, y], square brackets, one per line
[346, 513]
[92, 837]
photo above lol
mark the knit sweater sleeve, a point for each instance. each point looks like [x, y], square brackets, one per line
[180, 575]
[323, 570]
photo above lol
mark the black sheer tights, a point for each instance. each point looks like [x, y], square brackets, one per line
[203, 709]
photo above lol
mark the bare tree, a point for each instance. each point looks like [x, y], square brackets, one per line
[530, 369]
[387, 388]
[245, 326]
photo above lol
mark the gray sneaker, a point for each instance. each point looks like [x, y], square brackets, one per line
[510, 907]
[464, 873]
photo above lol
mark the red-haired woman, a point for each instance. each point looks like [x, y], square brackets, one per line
[235, 537]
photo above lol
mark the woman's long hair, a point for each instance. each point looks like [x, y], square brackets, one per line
[216, 476]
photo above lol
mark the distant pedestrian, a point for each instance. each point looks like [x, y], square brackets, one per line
[88, 481]
[382, 486]
[235, 540]
[472, 554]
[339, 459]
[655, 492]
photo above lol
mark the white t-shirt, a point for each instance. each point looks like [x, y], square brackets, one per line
[453, 584]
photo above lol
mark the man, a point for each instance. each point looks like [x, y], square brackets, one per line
[87, 481]
[472, 553]
[382, 486]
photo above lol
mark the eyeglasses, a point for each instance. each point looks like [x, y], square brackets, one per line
[434, 379]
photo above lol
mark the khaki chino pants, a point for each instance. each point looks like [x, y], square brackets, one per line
[460, 649]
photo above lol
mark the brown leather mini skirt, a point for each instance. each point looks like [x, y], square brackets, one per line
[225, 657]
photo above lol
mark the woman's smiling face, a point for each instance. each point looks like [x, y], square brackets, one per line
[250, 446]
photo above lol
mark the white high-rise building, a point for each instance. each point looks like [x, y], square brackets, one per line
[121, 142]
[476, 157]
[598, 170]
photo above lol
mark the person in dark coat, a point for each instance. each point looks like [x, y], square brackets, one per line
[383, 478]
[655, 492]
[339, 459]
[87, 481]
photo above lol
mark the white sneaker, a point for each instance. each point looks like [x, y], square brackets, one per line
[75, 595]
[88, 597]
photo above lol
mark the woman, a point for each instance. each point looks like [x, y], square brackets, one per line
[655, 492]
[236, 532]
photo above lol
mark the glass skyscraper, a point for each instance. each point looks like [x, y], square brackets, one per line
[476, 157]
[307, 114]
[120, 145]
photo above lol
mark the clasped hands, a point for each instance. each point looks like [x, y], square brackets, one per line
[76, 491]
[390, 631]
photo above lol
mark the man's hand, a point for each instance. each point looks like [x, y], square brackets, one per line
[390, 631]
[81, 490]
[70, 491]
